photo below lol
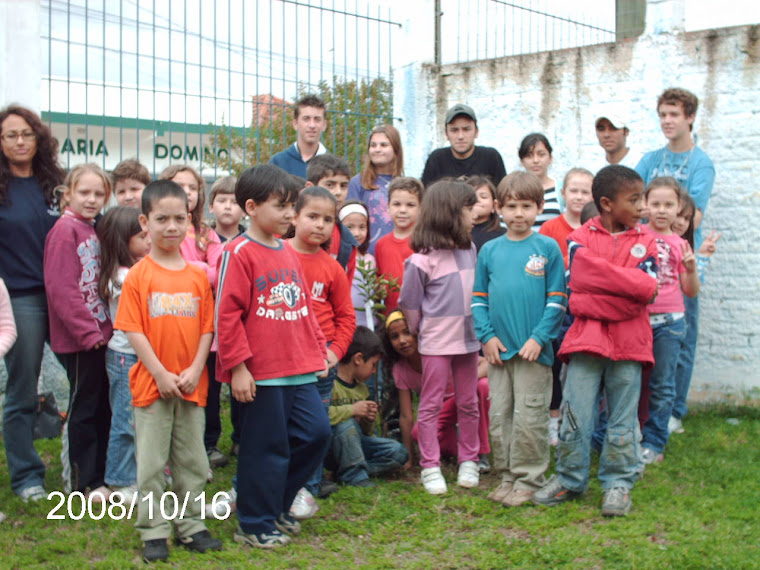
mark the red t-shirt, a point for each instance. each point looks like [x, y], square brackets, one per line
[330, 298]
[264, 313]
[390, 254]
[558, 229]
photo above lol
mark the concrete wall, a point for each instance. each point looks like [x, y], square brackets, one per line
[559, 93]
[20, 53]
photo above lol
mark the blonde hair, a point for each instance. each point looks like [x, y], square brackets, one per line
[73, 177]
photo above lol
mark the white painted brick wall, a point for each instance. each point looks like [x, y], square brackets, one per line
[558, 93]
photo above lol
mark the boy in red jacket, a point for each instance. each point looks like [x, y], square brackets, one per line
[613, 277]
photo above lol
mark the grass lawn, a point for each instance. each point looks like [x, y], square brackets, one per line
[698, 509]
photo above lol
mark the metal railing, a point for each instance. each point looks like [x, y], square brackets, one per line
[159, 80]
[484, 29]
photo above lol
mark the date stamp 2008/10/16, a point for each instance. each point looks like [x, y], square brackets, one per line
[77, 506]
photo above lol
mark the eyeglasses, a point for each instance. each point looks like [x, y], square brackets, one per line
[13, 136]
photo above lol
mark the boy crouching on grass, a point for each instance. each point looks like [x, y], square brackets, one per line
[613, 277]
[356, 454]
[167, 312]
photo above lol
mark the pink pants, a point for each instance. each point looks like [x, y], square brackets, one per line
[447, 423]
[435, 373]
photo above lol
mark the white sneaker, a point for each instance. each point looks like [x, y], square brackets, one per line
[469, 475]
[675, 425]
[304, 505]
[34, 493]
[127, 492]
[222, 507]
[433, 481]
[553, 431]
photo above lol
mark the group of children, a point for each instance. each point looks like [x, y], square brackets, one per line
[152, 310]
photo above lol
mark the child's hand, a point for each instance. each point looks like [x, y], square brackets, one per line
[530, 351]
[708, 245]
[688, 258]
[168, 385]
[188, 379]
[365, 409]
[98, 345]
[243, 387]
[332, 360]
[492, 350]
[326, 371]
[408, 465]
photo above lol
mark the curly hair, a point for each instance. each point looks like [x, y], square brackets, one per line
[45, 161]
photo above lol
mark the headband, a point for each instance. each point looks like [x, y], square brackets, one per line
[349, 209]
[396, 315]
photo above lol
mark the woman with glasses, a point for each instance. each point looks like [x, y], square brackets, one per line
[29, 173]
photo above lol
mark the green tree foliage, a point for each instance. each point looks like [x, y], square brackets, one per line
[354, 108]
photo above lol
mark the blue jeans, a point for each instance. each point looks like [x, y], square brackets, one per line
[324, 387]
[667, 340]
[622, 386]
[357, 457]
[686, 353]
[23, 362]
[121, 469]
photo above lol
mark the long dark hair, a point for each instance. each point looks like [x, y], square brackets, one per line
[477, 182]
[687, 203]
[114, 230]
[440, 223]
[45, 161]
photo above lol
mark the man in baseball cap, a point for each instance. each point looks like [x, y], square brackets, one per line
[463, 157]
[612, 132]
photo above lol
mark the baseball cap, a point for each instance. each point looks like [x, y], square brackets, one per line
[616, 118]
[460, 109]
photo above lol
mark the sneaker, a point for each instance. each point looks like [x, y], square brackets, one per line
[219, 509]
[288, 524]
[468, 476]
[34, 493]
[273, 539]
[156, 550]
[675, 425]
[216, 458]
[553, 493]
[304, 506]
[649, 456]
[433, 481]
[517, 497]
[326, 488]
[498, 494]
[483, 464]
[127, 492]
[617, 502]
[366, 483]
[99, 495]
[210, 476]
[200, 542]
[553, 431]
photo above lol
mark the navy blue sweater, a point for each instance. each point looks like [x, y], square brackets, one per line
[25, 220]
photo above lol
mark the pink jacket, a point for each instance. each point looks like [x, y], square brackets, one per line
[612, 280]
[7, 323]
[206, 260]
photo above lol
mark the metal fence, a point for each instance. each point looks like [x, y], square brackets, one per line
[483, 29]
[169, 81]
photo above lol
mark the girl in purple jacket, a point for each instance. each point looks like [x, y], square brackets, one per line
[80, 328]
